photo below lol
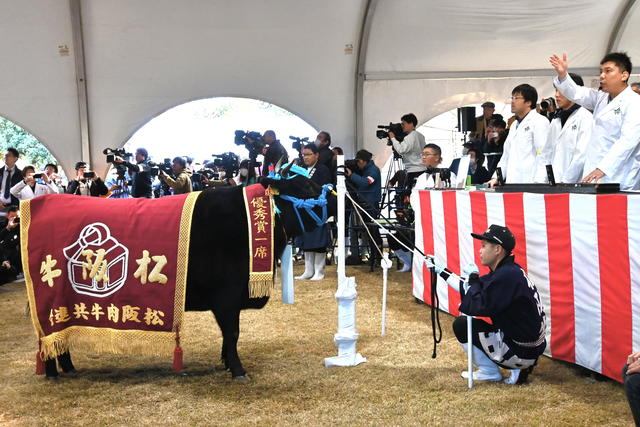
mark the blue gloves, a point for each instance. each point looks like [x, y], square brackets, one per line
[469, 269]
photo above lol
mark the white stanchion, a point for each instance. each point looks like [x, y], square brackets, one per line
[286, 268]
[470, 355]
[346, 294]
[386, 265]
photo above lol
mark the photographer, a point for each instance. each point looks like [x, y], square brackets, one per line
[140, 174]
[368, 193]
[410, 148]
[51, 170]
[86, 183]
[29, 188]
[273, 152]
[10, 257]
[492, 148]
[247, 175]
[182, 183]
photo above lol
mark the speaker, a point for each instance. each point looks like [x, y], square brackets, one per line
[467, 119]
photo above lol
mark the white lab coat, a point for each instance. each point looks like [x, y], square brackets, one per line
[24, 192]
[614, 147]
[525, 156]
[569, 143]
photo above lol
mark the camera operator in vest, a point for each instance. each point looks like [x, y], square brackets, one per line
[516, 337]
[410, 148]
[141, 179]
[273, 152]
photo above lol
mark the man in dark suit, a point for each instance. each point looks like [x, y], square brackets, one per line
[10, 175]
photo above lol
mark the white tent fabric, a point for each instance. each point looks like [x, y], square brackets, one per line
[139, 58]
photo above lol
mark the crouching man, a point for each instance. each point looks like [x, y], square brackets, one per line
[516, 337]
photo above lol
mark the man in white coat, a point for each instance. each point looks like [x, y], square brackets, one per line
[569, 136]
[525, 156]
[614, 148]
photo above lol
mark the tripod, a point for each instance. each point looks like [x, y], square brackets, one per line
[395, 166]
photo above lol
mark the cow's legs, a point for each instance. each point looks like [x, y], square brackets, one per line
[65, 363]
[229, 322]
[50, 369]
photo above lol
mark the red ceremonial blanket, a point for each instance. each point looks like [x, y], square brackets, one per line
[106, 274]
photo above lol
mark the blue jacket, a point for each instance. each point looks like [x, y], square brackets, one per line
[368, 184]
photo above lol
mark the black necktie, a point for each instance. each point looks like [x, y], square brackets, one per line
[7, 186]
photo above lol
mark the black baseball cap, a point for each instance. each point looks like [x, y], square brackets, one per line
[499, 235]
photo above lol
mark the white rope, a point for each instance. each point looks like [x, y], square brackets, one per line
[379, 225]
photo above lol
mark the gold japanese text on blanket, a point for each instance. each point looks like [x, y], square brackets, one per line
[260, 224]
[106, 274]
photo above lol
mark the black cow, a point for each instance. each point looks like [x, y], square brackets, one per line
[218, 270]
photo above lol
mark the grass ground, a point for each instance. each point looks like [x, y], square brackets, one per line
[282, 348]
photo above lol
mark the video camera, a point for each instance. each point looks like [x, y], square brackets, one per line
[352, 164]
[112, 153]
[298, 143]
[251, 140]
[396, 128]
[165, 166]
[229, 162]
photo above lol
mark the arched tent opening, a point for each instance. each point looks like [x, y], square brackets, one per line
[32, 150]
[203, 128]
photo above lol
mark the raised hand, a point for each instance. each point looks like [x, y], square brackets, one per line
[561, 65]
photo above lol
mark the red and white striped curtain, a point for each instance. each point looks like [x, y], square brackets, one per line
[581, 251]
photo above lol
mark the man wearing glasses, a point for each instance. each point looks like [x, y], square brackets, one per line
[525, 156]
[431, 159]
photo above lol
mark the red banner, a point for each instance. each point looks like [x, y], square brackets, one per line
[106, 274]
[260, 225]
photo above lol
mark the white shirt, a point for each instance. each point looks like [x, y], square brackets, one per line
[426, 180]
[411, 150]
[524, 157]
[614, 147]
[569, 143]
[22, 191]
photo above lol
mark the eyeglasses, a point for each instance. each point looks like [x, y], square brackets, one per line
[515, 97]
[307, 154]
[427, 154]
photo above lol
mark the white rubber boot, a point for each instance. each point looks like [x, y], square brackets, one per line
[513, 377]
[308, 266]
[405, 257]
[487, 368]
[320, 262]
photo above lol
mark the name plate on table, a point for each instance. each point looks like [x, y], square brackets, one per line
[581, 188]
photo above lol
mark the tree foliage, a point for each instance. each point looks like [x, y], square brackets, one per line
[12, 135]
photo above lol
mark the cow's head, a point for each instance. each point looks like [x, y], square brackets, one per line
[301, 188]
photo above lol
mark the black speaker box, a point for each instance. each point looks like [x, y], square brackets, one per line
[467, 119]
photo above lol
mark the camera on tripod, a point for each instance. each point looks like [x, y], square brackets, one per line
[112, 153]
[396, 128]
[251, 140]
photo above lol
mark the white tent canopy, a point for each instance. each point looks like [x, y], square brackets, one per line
[83, 75]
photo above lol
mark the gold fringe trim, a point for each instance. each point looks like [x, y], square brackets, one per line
[106, 340]
[184, 239]
[260, 284]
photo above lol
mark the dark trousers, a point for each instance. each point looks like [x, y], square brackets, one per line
[632, 390]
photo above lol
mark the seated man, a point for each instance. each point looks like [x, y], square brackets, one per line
[431, 158]
[631, 379]
[516, 337]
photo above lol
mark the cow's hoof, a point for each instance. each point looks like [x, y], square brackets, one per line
[242, 378]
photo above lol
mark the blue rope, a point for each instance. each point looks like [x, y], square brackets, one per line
[309, 204]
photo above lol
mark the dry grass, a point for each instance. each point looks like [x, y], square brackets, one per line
[282, 348]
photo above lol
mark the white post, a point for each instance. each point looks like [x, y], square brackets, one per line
[346, 294]
[386, 265]
[470, 355]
